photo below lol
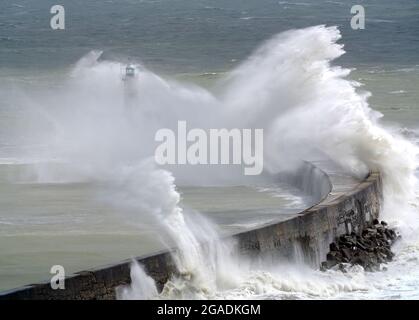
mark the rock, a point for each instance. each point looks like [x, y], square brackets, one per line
[329, 264]
[368, 269]
[333, 247]
[369, 249]
[381, 230]
[331, 256]
[362, 260]
[382, 258]
[390, 234]
[342, 268]
[347, 254]
[389, 254]
[372, 231]
[361, 246]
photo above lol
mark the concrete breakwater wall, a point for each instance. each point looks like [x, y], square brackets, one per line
[344, 206]
[314, 229]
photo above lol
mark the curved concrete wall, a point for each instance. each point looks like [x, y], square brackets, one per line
[342, 209]
[314, 229]
[310, 179]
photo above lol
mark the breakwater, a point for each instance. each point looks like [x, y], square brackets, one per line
[345, 206]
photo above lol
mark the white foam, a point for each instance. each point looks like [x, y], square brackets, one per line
[104, 129]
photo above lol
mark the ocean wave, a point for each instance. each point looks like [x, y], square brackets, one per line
[289, 87]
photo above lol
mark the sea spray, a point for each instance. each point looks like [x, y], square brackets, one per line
[328, 116]
[289, 87]
[203, 260]
[142, 286]
[310, 107]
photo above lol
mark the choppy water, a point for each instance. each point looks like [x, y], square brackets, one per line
[198, 36]
[196, 42]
